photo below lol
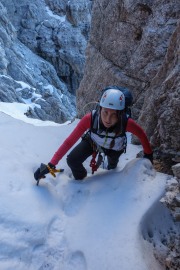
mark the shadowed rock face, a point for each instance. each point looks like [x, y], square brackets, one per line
[136, 44]
[160, 114]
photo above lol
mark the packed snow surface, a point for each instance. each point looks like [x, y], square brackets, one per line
[66, 224]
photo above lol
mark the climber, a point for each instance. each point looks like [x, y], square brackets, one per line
[103, 131]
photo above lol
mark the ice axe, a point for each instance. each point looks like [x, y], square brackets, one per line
[45, 169]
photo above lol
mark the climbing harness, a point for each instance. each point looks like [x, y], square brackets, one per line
[95, 164]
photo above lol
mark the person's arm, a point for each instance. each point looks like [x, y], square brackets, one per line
[83, 125]
[135, 129]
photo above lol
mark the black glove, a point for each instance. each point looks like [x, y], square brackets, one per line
[149, 156]
[42, 170]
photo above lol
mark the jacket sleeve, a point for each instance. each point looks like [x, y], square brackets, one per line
[135, 129]
[82, 126]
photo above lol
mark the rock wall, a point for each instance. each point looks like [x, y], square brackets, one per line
[170, 259]
[55, 30]
[42, 54]
[27, 78]
[161, 109]
[136, 44]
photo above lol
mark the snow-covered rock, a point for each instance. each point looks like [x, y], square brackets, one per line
[57, 31]
[42, 44]
[25, 77]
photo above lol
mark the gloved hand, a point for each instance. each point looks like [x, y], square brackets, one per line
[42, 170]
[149, 156]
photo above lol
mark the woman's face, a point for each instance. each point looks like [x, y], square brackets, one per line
[109, 117]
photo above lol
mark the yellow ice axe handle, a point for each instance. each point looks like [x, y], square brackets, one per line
[52, 171]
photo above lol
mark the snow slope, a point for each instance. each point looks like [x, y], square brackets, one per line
[65, 224]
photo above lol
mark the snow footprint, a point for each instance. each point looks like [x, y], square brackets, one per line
[55, 231]
[76, 261]
[53, 250]
[75, 202]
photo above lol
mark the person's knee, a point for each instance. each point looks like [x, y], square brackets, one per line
[112, 163]
[111, 167]
[77, 168]
[80, 175]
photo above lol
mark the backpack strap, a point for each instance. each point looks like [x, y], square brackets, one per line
[124, 122]
[94, 119]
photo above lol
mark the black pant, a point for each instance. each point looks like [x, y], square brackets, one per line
[81, 152]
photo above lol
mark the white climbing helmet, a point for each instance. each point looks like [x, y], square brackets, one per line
[113, 99]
